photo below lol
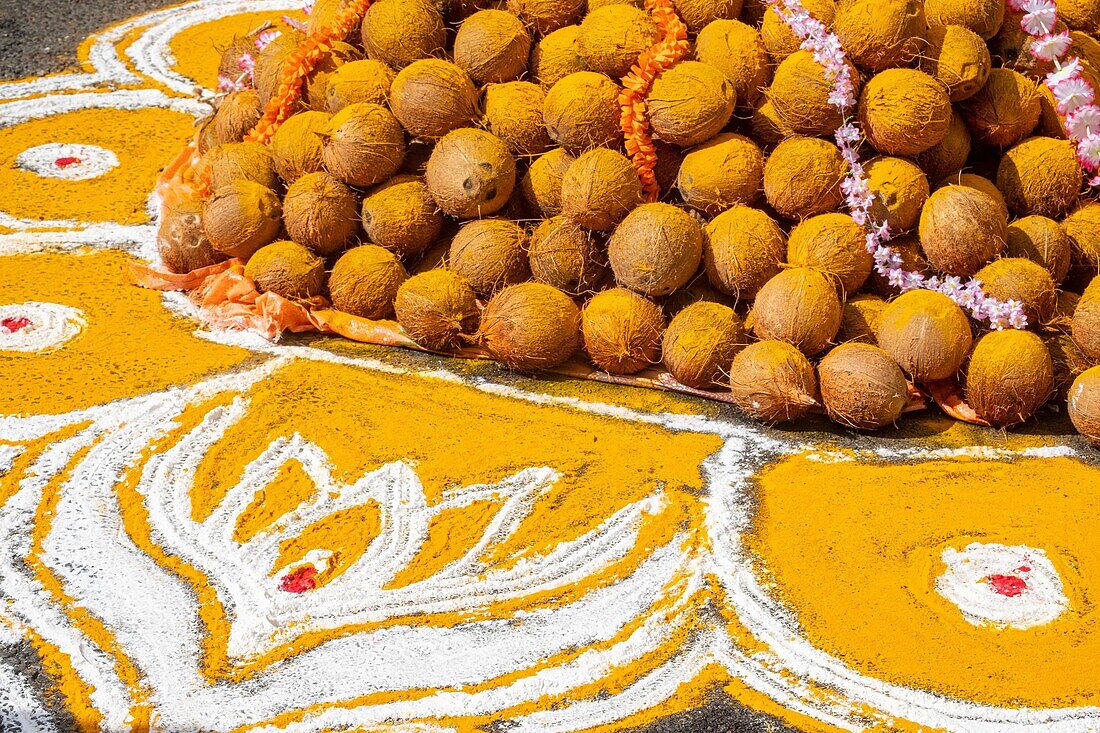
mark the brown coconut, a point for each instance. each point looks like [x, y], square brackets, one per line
[599, 189]
[742, 249]
[736, 50]
[802, 177]
[767, 128]
[268, 70]
[907, 247]
[690, 103]
[181, 242]
[1040, 175]
[983, 184]
[287, 269]
[899, 188]
[949, 155]
[324, 12]
[860, 318]
[490, 254]
[1005, 110]
[904, 111]
[800, 95]
[983, 17]
[399, 32]
[1084, 405]
[546, 16]
[513, 112]
[564, 254]
[961, 228]
[698, 13]
[436, 308]
[431, 97]
[1040, 240]
[1016, 278]
[531, 326]
[365, 145]
[402, 216]
[368, 80]
[237, 114]
[879, 34]
[321, 213]
[622, 331]
[237, 58]
[471, 173]
[726, 170]
[241, 217]
[926, 333]
[773, 382]
[316, 84]
[958, 58]
[556, 56]
[582, 112]
[1067, 359]
[247, 161]
[799, 306]
[778, 37]
[835, 245]
[1082, 227]
[492, 46]
[1011, 47]
[655, 249]
[541, 185]
[612, 38]
[1009, 377]
[862, 387]
[298, 145]
[700, 342]
[1086, 321]
[365, 281]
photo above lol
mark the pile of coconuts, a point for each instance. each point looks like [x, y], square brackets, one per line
[458, 165]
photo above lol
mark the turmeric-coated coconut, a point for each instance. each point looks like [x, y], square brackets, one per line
[546, 16]
[1040, 240]
[1084, 405]
[699, 343]
[859, 319]
[513, 112]
[1082, 15]
[1005, 110]
[949, 155]
[879, 34]
[315, 89]
[926, 333]
[599, 189]
[298, 145]
[490, 254]
[321, 213]
[742, 249]
[655, 249]
[402, 216]
[777, 35]
[612, 38]
[470, 173]
[726, 170]
[802, 177]
[287, 269]
[368, 80]
[799, 306]
[181, 242]
[834, 244]
[556, 56]
[399, 32]
[622, 331]
[767, 128]
[698, 13]
[365, 281]
[961, 228]
[904, 111]
[531, 326]
[1009, 377]
[1086, 321]
[365, 145]
[862, 387]
[690, 103]
[247, 161]
[958, 58]
[237, 114]
[1016, 278]
[324, 12]
[542, 184]
[436, 308]
[269, 63]
[800, 95]
[1040, 175]
[241, 217]
[899, 189]
[736, 50]
[492, 46]
[983, 17]
[564, 254]
[431, 97]
[1082, 227]
[983, 184]
[582, 111]
[773, 382]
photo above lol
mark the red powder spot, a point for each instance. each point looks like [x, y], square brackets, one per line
[66, 161]
[1007, 585]
[299, 581]
[13, 324]
[1023, 569]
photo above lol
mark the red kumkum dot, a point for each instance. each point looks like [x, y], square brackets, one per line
[299, 581]
[1007, 585]
[66, 161]
[13, 324]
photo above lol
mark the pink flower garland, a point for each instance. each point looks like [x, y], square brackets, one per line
[827, 51]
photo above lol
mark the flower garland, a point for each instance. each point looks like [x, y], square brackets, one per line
[827, 51]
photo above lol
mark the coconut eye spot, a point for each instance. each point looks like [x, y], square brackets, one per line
[486, 166]
[67, 162]
[468, 184]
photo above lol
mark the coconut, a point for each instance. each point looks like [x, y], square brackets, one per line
[247, 161]
[698, 13]
[1067, 359]
[556, 56]
[860, 318]
[531, 326]
[431, 97]
[365, 145]
[513, 112]
[268, 71]
[287, 269]
[1082, 15]
[622, 331]
[321, 213]
[1040, 240]
[862, 387]
[907, 248]
[834, 244]
[799, 306]
[777, 35]
[401, 216]
[492, 46]
[237, 58]
[736, 50]
[773, 382]
[564, 254]
[904, 111]
[879, 34]
[899, 189]
[961, 228]
[398, 32]
[436, 308]
[582, 111]
[490, 254]
[1084, 405]
[315, 89]
[983, 17]
[541, 185]
[690, 103]
[1010, 376]
[358, 81]
[1005, 110]
[766, 125]
[206, 139]
[667, 168]
[700, 342]
[727, 170]
[181, 241]
[546, 16]
[599, 189]
[1040, 175]
[926, 333]
[298, 145]
[949, 155]
[237, 114]
[1082, 227]
[981, 183]
[365, 281]
[612, 38]
[1016, 278]
[1011, 47]
[1086, 321]
[471, 173]
[742, 249]
[958, 58]
[241, 217]
[800, 94]
[802, 177]
[323, 13]
[655, 249]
